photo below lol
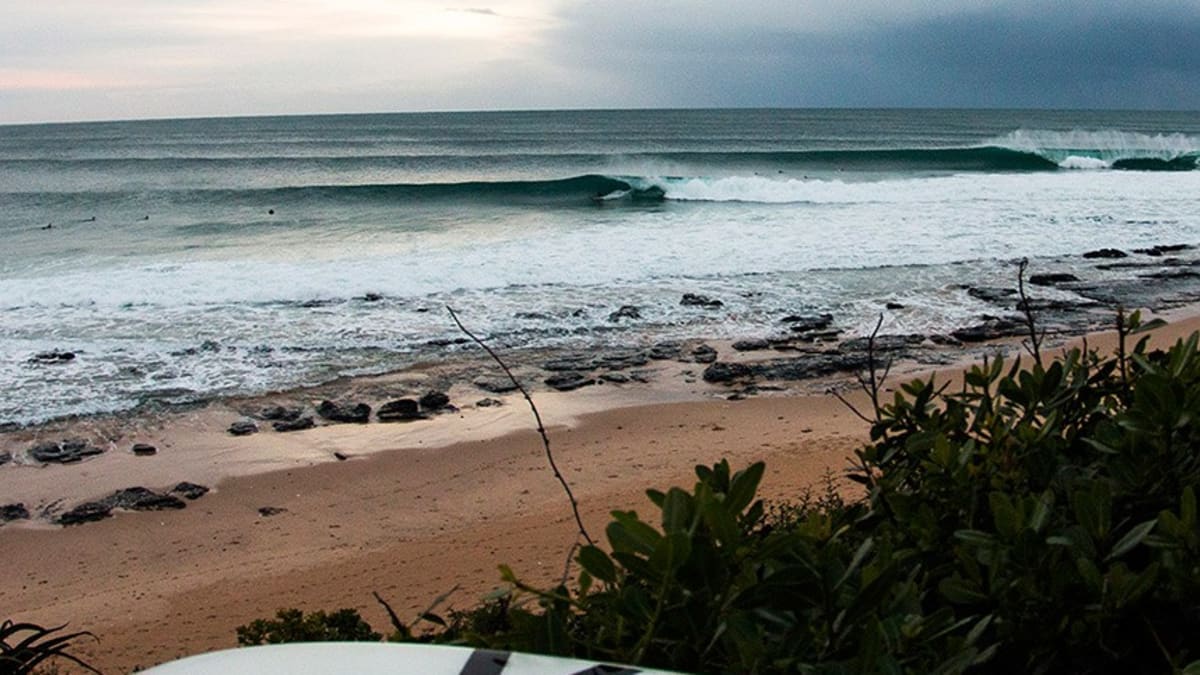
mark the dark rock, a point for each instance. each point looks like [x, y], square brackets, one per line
[752, 345]
[615, 378]
[819, 335]
[800, 323]
[13, 512]
[893, 305]
[142, 499]
[664, 351]
[268, 511]
[1051, 279]
[569, 381]
[278, 412]
[625, 312]
[1046, 305]
[86, 513]
[1170, 274]
[6, 427]
[704, 354]
[63, 452]
[992, 294]
[990, 329]
[352, 413]
[434, 400]
[621, 360]
[294, 425]
[1161, 249]
[5, 458]
[572, 362]
[189, 490]
[944, 340]
[372, 297]
[488, 403]
[883, 343]
[1105, 253]
[694, 300]
[144, 449]
[499, 385]
[537, 316]
[400, 410]
[726, 372]
[340, 456]
[243, 428]
[53, 356]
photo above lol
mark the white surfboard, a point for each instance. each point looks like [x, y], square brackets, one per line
[370, 658]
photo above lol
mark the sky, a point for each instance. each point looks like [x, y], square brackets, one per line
[63, 60]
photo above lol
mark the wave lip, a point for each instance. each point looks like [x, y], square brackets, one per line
[1106, 149]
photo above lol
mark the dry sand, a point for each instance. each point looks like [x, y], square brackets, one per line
[418, 510]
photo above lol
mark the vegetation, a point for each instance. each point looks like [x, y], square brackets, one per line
[291, 625]
[1039, 519]
[29, 648]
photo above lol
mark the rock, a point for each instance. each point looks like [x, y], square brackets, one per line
[144, 449]
[1051, 279]
[704, 354]
[13, 512]
[572, 362]
[883, 343]
[992, 294]
[1161, 249]
[85, 513]
[488, 403]
[372, 297]
[243, 428]
[63, 452]
[621, 359]
[278, 412]
[533, 316]
[1105, 253]
[893, 305]
[268, 511]
[352, 413]
[694, 300]
[569, 381]
[944, 340]
[800, 323]
[1170, 274]
[5, 458]
[340, 456]
[990, 329]
[664, 351]
[625, 312]
[615, 378]
[294, 425]
[434, 400]
[752, 345]
[142, 499]
[1046, 305]
[400, 410]
[819, 335]
[52, 356]
[189, 491]
[499, 385]
[726, 372]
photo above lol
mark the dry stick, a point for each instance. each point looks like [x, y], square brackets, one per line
[871, 382]
[1034, 347]
[541, 428]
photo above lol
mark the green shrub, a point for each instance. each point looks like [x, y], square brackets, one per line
[291, 625]
[27, 648]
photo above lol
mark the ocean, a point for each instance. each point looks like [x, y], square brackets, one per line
[183, 259]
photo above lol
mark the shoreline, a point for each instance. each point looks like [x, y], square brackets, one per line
[411, 520]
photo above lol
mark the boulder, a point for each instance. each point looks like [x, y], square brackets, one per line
[498, 385]
[721, 373]
[621, 359]
[144, 449]
[695, 300]
[570, 362]
[434, 400]
[13, 512]
[1159, 250]
[5, 458]
[268, 511]
[352, 413]
[278, 412]
[992, 293]
[243, 428]
[665, 351]
[63, 452]
[1052, 279]
[301, 424]
[85, 513]
[615, 378]
[800, 323]
[751, 345]
[704, 354]
[488, 403]
[625, 312]
[189, 491]
[142, 499]
[883, 343]
[990, 329]
[1105, 253]
[569, 381]
[893, 305]
[400, 410]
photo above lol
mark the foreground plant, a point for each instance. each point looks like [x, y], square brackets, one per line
[24, 647]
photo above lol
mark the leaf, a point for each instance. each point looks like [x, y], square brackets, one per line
[744, 486]
[677, 511]
[1131, 539]
[597, 563]
[960, 591]
[859, 555]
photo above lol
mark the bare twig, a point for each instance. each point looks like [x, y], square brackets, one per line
[541, 428]
[1034, 346]
[566, 575]
[1122, 336]
[870, 382]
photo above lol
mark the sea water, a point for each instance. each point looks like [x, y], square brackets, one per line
[181, 259]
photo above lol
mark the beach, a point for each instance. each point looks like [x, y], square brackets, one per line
[417, 509]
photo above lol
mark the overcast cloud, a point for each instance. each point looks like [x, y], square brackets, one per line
[80, 59]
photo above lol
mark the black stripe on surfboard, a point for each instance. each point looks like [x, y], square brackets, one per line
[485, 662]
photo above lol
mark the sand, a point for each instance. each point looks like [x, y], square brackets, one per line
[417, 510]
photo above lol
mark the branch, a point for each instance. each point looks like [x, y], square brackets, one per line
[541, 428]
[1034, 346]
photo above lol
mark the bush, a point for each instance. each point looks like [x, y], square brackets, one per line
[291, 625]
[27, 648]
